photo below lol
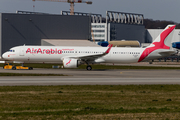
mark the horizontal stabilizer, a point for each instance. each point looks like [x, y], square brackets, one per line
[167, 52]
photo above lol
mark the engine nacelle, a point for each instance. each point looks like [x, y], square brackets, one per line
[70, 63]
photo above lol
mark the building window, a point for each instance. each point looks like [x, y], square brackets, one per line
[98, 30]
[99, 35]
[98, 26]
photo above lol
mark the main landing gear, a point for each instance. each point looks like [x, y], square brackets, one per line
[89, 67]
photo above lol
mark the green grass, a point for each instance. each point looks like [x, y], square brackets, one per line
[39, 65]
[126, 67]
[90, 102]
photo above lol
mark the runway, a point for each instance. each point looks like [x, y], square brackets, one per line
[14, 81]
[94, 77]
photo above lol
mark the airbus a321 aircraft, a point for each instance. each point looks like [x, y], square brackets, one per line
[72, 57]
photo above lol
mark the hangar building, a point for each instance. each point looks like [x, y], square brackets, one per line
[30, 28]
[119, 26]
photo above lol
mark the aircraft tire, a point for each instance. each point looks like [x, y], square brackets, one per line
[30, 68]
[14, 68]
[89, 67]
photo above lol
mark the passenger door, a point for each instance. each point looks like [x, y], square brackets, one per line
[21, 52]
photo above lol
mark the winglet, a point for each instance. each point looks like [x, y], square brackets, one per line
[108, 50]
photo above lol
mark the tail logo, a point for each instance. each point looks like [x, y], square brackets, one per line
[157, 45]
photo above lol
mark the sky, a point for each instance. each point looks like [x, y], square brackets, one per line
[151, 9]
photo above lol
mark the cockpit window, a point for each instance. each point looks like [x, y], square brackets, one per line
[11, 51]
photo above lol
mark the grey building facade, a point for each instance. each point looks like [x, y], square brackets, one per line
[30, 29]
[119, 26]
[126, 32]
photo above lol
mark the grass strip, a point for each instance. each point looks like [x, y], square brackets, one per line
[126, 67]
[90, 102]
[41, 65]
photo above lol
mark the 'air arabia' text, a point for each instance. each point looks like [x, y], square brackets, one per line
[44, 51]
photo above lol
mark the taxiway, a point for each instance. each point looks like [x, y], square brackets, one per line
[94, 77]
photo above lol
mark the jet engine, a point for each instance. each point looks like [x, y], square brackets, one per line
[71, 63]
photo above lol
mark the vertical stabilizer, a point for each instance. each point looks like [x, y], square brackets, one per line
[163, 42]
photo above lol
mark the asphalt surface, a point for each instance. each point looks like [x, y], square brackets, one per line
[94, 77]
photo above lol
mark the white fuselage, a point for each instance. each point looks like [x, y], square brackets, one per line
[58, 53]
[70, 56]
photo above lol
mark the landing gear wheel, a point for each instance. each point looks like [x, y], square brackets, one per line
[30, 68]
[14, 68]
[89, 67]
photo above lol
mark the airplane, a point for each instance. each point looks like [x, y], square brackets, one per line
[72, 56]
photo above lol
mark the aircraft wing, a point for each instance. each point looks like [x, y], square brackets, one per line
[93, 57]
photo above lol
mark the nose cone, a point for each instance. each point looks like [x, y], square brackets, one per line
[5, 56]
